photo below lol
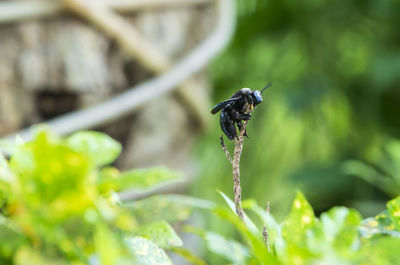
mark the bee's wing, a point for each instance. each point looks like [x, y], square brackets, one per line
[222, 105]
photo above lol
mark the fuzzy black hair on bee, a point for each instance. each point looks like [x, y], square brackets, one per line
[238, 108]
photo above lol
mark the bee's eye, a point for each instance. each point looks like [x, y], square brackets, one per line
[257, 97]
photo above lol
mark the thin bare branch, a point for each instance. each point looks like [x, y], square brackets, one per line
[228, 156]
[237, 190]
[235, 161]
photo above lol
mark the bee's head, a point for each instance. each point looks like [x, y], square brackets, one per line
[257, 97]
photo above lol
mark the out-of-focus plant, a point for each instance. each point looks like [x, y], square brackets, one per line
[58, 205]
[339, 236]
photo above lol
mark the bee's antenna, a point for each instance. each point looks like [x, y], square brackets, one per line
[267, 86]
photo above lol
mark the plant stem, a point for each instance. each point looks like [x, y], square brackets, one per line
[228, 156]
[237, 190]
[235, 161]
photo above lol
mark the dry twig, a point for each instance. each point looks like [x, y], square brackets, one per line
[237, 190]
[228, 156]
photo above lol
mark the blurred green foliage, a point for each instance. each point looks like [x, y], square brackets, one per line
[338, 236]
[58, 205]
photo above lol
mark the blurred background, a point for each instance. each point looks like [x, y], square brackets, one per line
[329, 126]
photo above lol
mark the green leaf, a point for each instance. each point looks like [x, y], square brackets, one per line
[381, 224]
[301, 219]
[51, 173]
[146, 252]
[101, 148]
[140, 179]
[394, 211]
[160, 233]
[338, 229]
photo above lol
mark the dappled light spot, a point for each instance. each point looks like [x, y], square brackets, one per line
[297, 204]
[306, 219]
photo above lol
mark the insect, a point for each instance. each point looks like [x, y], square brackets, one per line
[238, 108]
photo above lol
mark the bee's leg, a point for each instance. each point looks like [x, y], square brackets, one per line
[240, 124]
[240, 116]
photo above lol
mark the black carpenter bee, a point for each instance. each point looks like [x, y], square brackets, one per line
[238, 108]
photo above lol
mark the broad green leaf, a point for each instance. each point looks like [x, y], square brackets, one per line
[230, 249]
[381, 224]
[394, 211]
[139, 179]
[301, 219]
[338, 229]
[160, 233]
[171, 208]
[49, 172]
[101, 148]
[146, 252]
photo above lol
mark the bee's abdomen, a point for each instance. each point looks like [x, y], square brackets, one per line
[227, 125]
